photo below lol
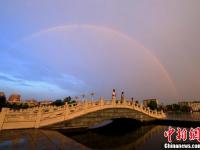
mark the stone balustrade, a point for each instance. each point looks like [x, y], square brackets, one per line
[46, 115]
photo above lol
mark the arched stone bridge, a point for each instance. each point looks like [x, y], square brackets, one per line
[82, 114]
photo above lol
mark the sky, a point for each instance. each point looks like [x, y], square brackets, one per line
[50, 49]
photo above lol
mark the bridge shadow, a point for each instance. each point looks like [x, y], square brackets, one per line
[118, 127]
[118, 134]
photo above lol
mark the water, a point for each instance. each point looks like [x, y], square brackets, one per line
[120, 134]
[37, 139]
[195, 116]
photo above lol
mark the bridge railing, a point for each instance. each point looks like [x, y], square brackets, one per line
[44, 115]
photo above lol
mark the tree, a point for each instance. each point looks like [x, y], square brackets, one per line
[13, 105]
[24, 106]
[67, 100]
[169, 107]
[175, 107]
[58, 102]
[2, 101]
[73, 102]
[185, 108]
[160, 107]
[152, 105]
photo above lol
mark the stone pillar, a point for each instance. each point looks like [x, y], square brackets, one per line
[113, 97]
[38, 117]
[148, 110]
[101, 101]
[66, 110]
[156, 113]
[141, 107]
[2, 116]
[133, 104]
[85, 105]
[162, 114]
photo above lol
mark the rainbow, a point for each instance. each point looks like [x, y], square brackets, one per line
[113, 32]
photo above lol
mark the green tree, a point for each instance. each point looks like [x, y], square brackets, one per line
[17, 106]
[2, 101]
[169, 107]
[185, 108]
[175, 107]
[24, 106]
[14, 106]
[67, 100]
[58, 102]
[152, 105]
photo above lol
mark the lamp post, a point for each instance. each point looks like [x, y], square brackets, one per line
[92, 95]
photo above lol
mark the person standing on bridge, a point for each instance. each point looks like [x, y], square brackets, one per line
[122, 97]
[113, 95]
[132, 100]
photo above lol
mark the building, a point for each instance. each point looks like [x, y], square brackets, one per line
[14, 98]
[147, 101]
[194, 105]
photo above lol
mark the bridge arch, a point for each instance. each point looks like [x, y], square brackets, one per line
[97, 117]
[82, 114]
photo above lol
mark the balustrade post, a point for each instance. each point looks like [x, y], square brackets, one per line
[3, 113]
[85, 105]
[141, 107]
[113, 101]
[101, 101]
[38, 117]
[66, 110]
[162, 113]
[156, 113]
[124, 101]
[148, 110]
[133, 104]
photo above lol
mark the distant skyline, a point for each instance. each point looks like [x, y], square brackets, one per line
[53, 49]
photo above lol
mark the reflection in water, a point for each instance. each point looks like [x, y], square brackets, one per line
[195, 116]
[121, 134]
[37, 139]
[104, 123]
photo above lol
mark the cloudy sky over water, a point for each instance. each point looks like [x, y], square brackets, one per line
[148, 48]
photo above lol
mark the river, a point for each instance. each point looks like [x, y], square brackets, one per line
[120, 134]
